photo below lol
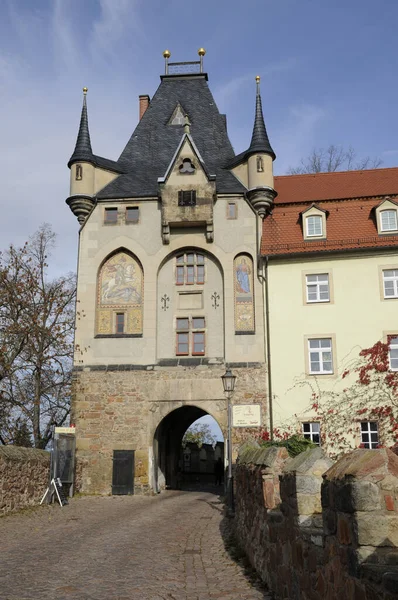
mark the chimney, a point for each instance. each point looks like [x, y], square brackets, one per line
[144, 103]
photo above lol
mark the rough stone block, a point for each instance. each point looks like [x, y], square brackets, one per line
[377, 530]
[358, 495]
[308, 505]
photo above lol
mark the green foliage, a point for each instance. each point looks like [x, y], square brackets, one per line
[295, 444]
[199, 434]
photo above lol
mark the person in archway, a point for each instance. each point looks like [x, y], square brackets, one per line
[218, 471]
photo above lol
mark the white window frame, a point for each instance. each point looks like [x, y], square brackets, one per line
[394, 279]
[314, 430]
[365, 428]
[317, 284]
[307, 225]
[321, 350]
[393, 349]
[383, 227]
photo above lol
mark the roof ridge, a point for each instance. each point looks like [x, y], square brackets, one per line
[332, 173]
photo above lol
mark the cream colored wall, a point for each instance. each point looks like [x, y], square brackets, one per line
[93, 180]
[263, 178]
[97, 241]
[357, 317]
[241, 174]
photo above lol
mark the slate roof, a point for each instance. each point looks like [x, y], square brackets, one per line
[350, 199]
[83, 150]
[260, 141]
[154, 142]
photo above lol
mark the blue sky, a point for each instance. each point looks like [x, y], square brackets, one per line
[328, 74]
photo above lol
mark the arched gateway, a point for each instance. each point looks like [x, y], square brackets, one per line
[168, 295]
[167, 442]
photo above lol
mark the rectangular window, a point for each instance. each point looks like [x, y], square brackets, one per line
[369, 434]
[132, 214]
[190, 275]
[388, 219]
[180, 276]
[187, 198]
[119, 322]
[190, 269]
[390, 283]
[318, 288]
[232, 210]
[314, 226]
[182, 343]
[312, 431]
[189, 339]
[198, 342]
[110, 216]
[320, 356]
[393, 353]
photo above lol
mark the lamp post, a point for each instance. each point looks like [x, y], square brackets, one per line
[228, 381]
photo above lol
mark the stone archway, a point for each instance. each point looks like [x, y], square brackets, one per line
[167, 444]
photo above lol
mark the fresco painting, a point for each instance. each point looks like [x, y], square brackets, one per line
[244, 301]
[120, 288]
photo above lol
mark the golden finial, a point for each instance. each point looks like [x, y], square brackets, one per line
[85, 90]
[257, 78]
[166, 54]
[201, 51]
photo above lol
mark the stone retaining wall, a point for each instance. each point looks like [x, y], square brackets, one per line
[23, 477]
[315, 529]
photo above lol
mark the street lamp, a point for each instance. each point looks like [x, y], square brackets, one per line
[228, 381]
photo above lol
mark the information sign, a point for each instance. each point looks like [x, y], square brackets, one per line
[246, 415]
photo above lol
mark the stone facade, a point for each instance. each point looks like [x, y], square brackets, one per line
[24, 476]
[122, 408]
[312, 530]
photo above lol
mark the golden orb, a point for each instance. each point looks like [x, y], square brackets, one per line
[166, 54]
[258, 78]
[201, 51]
[85, 90]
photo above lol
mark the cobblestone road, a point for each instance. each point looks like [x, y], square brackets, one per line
[168, 547]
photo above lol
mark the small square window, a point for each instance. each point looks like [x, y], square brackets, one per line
[110, 216]
[314, 226]
[388, 220]
[370, 434]
[120, 322]
[312, 431]
[132, 214]
[183, 324]
[198, 323]
[232, 210]
[187, 198]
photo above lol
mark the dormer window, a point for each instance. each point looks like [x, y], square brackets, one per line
[388, 220]
[314, 226]
[314, 223]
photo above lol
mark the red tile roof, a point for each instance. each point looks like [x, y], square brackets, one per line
[349, 198]
[332, 186]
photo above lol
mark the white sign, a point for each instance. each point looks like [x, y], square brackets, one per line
[246, 415]
[71, 430]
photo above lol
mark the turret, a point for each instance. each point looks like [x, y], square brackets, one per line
[260, 155]
[254, 167]
[82, 170]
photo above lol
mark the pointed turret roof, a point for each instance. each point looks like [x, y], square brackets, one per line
[83, 151]
[260, 141]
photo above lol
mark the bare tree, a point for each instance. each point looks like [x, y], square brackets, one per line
[36, 342]
[334, 158]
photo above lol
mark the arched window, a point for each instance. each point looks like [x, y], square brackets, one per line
[190, 268]
[120, 296]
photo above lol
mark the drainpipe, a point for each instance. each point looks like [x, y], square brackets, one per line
[263, 276]
[267, 335]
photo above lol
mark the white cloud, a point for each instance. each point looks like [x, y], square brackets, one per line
[115, 19]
